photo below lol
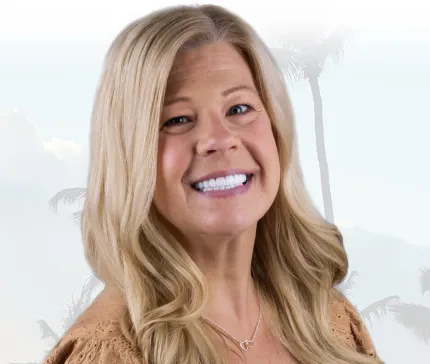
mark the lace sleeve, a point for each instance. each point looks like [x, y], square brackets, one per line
[92, 350]
[348, 327]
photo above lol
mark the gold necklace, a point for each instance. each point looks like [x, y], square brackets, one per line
[244, 344]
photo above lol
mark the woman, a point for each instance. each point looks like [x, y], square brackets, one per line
[196, 216]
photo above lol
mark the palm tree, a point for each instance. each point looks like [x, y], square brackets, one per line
[346, 285]
[375, 310]
[378, 309]
[75, 309]
[415, 317]
[305, 58]
[69, 196]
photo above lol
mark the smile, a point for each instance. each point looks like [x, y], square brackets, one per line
[229, 182]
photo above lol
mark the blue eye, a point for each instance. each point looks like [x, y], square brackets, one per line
[240, 109]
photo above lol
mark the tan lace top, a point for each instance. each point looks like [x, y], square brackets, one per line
[96, 337]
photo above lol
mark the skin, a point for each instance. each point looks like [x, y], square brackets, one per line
[216, 133]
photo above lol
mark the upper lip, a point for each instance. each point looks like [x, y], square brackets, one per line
[222, 173]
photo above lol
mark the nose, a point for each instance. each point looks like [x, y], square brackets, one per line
[215, 137]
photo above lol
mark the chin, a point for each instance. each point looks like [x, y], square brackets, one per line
[227, 224]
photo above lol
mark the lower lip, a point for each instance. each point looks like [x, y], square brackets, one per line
[239, 190]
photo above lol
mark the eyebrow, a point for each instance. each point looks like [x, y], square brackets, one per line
[225, 93]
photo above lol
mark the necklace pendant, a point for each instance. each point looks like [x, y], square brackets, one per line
[245, 344]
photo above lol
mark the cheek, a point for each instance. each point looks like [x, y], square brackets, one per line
[266, 143]
[267, 151]
[171, 161]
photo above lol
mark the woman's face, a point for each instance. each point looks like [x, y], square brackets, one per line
[218, 168]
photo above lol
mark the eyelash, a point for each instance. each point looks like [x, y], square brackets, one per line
[183, 116]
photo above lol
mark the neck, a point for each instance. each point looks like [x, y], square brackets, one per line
[226, 264]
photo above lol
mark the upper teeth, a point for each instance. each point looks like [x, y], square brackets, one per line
[221, 183]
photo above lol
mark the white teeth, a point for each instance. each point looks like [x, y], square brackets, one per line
[221, 183]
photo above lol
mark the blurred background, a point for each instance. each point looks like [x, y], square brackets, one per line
[360, 97]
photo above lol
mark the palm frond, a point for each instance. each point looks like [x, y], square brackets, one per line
[289, 61]
[333, 45]
[74, 310]
[378, 309]
[78, 306]
[77, 217]
[346, 286]
[47, 333]
[425, 280]
[67, 196]
[305, 55]
[415, 318]
[91, 285]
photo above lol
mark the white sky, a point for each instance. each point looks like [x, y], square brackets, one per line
[24, 18]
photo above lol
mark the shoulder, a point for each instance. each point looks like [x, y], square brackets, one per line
[347, 325]
[96, 336]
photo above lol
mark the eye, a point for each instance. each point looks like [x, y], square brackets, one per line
[240, 109]
[182, 120]
[178, 120]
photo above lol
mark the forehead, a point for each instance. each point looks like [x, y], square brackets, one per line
[218, 61]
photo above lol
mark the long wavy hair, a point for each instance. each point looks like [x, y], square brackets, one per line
[298, 256]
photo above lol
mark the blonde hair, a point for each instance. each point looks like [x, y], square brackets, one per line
[298, 256]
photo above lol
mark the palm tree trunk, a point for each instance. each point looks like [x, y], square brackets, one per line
[322, 157]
